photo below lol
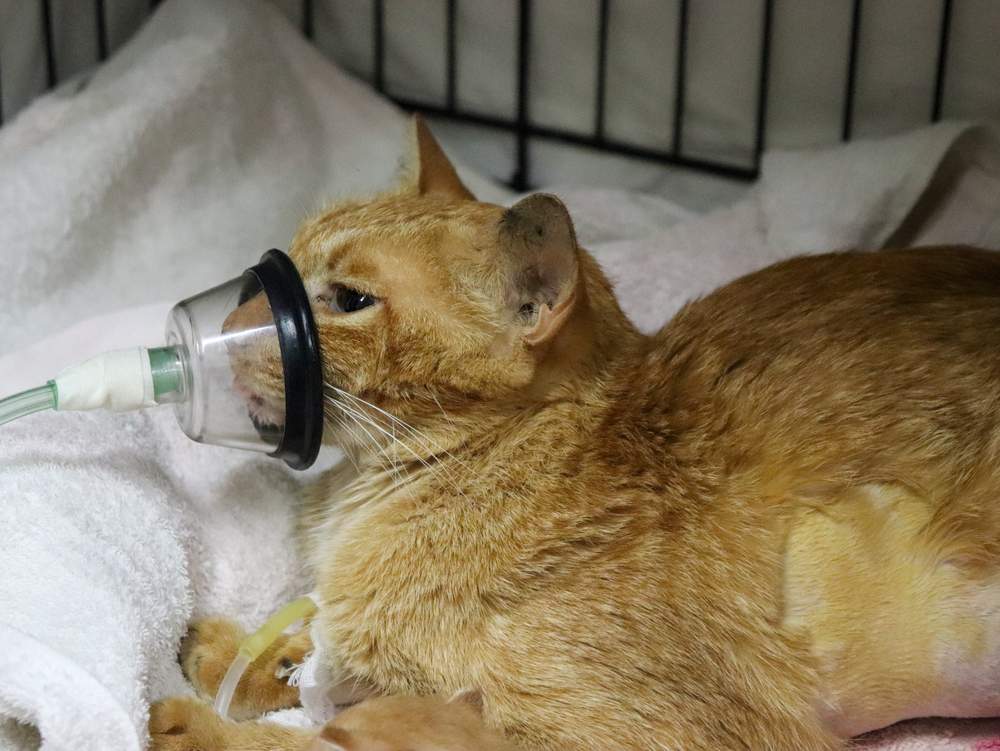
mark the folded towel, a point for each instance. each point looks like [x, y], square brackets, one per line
[935, 735]
[202, 143]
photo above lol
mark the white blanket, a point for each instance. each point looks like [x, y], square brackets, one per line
[203, 143]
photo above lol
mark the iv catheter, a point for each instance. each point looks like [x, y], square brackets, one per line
[254, 646]
[241, 367]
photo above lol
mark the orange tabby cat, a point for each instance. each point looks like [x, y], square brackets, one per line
[772, 525]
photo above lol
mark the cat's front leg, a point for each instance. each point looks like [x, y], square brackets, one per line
[189, 724]
[209, 649]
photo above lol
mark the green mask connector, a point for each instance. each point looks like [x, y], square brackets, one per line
[167, 367]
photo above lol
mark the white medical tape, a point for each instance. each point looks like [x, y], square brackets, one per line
[119, 380]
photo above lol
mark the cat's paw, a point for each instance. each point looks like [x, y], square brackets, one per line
[209, 649]
[185, 724]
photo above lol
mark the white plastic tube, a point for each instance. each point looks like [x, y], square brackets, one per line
[227, 688]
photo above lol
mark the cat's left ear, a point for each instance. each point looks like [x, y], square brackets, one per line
[538, 237]
[433, 173]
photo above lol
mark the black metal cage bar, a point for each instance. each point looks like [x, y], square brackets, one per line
[521, 125]
[452, 61]
[308, 19]
[763, 77]
[602, 69]
[101, 24]
[519, 181]
[847, 118]
[680, 79]
[51, 76]
[378, 27]
[942, 61]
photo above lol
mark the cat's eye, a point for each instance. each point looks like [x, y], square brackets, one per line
[347, 300]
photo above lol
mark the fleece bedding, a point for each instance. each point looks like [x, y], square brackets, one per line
[203, 142]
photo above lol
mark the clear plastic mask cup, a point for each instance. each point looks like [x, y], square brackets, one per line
[233, 391]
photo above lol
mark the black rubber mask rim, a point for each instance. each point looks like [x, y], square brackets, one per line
[300, 358]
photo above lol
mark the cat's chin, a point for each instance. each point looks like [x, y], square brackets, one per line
[267, 419]
[263, 413]
[271, 432]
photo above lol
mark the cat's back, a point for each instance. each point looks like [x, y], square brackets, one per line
[843, 352]
[848, 294]
[847, 310]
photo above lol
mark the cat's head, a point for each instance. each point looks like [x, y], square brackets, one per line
[408, 723]
[426, 298]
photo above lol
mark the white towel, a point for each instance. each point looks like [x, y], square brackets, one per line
[203, 143]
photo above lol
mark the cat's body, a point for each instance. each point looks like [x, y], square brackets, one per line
[772, 525]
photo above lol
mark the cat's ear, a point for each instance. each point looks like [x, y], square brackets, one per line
[470, 697]
[432, 172]
[538, 235]
[332, 738]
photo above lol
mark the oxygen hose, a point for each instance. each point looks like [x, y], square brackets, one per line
[28, 402]
[119, 380]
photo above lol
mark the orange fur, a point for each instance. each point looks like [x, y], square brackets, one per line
[615, 535]
[412, 723]
[392, 723]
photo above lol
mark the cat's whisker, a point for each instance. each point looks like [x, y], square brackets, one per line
[428, 443]
[348, 425]
[395, 420]
[437, 467]
[423, 440]
[359, 420]
[395, 468]
[433, 469]
[358, 415]
[335, 417]
[446, 415]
